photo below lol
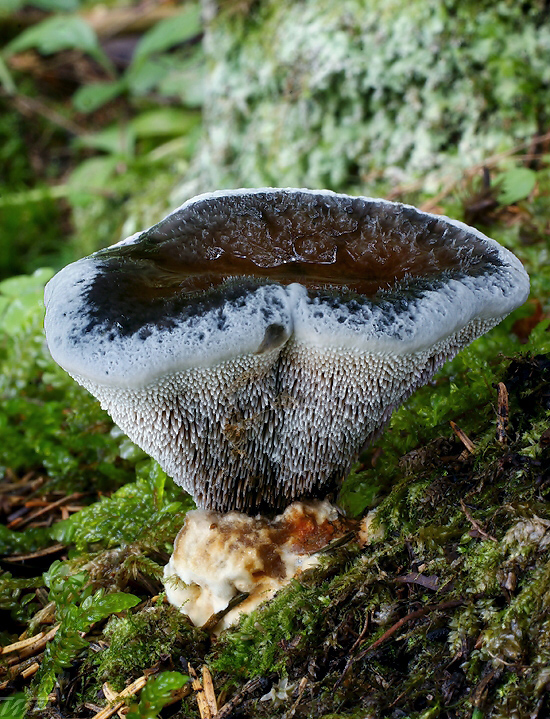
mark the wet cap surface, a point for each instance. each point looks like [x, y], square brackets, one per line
[225, 273]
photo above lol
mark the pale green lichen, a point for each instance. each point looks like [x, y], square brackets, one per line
[330, 94]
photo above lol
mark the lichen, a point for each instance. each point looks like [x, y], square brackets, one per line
[341, 95]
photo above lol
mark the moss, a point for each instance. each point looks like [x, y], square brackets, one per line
[156, 633]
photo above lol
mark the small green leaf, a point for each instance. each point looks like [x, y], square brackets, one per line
[169, 32]
[17, 312]
[143, 77]
[61, 32]
[516, 184]
[165, 121]
[116, 140]
[99, 607]
[156, 694]
[26, 284]
[6, 80]
[90, 97]
[90, 175]
[185, 82]
[21, 298]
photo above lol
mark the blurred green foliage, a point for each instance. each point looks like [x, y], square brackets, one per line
[84, 131]
[47, 422]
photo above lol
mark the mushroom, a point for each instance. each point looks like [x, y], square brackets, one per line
[254, 341]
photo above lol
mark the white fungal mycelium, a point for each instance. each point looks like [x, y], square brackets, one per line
[255, 340]
[219, 556]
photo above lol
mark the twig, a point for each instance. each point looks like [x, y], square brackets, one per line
[362, 635]
[463, 437]
[202, 702]
[395, 628]
[480, 692]
[52, 505]
[249, 688]
[107, 20]
[30, 106]
[502, 413]
[25, 669]
[475, 524]
[209, 693]
[301, 689]
[413, 615]
[27, 647]
[53, 549]
[335, 543]
[30, 671]
[216, 618]
[129, 691]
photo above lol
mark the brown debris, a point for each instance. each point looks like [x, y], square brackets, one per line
[206, 697]
[53, 549]
[479, 695]
[18, 522]
[120, 698]
[430, 582]
[301, 689]
[417, 614]
[209, 693]
[249, 688]
[28, 647]
[463, 437]
[24, 669]
[475, 524]
[523, 327]
[502, 413]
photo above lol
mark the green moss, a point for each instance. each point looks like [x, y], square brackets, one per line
[140, 640]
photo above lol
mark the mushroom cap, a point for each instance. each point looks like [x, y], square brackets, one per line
[254, 340]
